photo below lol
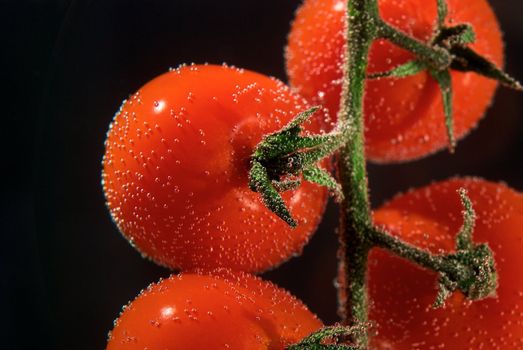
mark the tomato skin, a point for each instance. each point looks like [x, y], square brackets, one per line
[175, 170]
[403, 293]
[222, 310]
[404, 118]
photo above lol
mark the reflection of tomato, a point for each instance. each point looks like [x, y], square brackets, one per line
[200, 311]
[402, 293]
[404, 117]
[176, 170]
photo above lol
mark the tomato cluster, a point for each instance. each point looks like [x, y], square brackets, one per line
[176, 179]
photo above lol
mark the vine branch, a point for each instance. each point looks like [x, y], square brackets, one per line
[355, 209]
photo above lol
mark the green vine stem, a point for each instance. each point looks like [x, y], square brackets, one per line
[355, 209]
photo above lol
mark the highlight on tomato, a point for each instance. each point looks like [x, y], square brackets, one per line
[218, 310]
[404, 117]
[176, 164]
[403, 294]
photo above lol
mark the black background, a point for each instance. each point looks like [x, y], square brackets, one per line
[65, 271]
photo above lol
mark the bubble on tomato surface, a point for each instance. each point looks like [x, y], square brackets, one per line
[181, 193]
[403, 294]
[398, 112]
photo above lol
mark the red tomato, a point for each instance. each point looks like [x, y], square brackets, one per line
[404, 117]
[403, 293]
[176, 164]
[199, 311]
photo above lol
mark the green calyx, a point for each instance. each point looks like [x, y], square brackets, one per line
[473, 270]
[283, 158]
[473, 274]
[448, 50]
[330, 338]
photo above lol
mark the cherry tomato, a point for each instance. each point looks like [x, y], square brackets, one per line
[403, 293]
[404, 118]
[226, 310]
[175, 170]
